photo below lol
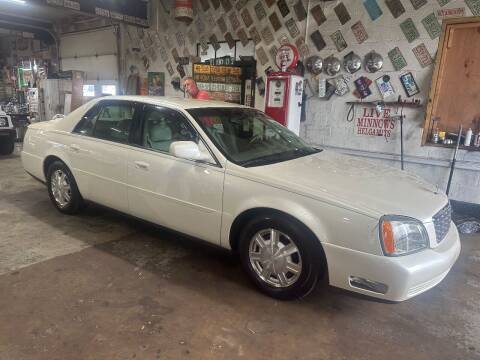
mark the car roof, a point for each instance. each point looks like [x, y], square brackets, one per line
[175, 102]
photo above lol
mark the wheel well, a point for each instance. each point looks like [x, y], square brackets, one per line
[48, 161]
[242, 220]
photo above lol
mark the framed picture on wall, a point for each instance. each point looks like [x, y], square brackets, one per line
[409, 84]
[156, 83]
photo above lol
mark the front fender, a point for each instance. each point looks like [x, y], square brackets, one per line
[329, 223]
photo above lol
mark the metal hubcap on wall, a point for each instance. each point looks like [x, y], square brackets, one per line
[275, 258]
[61, 189]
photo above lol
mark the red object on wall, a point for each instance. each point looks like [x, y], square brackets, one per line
[283, 101]
[276, 100]
[184, 10]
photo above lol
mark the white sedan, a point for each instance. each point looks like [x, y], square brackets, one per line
[233, 177]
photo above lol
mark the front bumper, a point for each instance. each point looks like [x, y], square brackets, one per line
[404, 276]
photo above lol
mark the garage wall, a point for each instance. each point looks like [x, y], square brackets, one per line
[94, 52]
[326, 123]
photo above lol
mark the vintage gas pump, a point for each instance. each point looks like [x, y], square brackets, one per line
[284, 90]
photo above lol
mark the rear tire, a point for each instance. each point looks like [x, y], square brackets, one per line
[7, 147]
[286, 268]
[62, 189]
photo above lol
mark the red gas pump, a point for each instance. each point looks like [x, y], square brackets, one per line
[284, 90]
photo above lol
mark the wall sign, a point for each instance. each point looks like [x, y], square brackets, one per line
[395, 7]
[385, 86]
[267, 35]
[229, 39]
[283, 7]
[242, 36]
[362, 86]
[262, 56]
[317, 39]
[302, 47]
[454, 12]
[474, 6]
[240, 4]
[275, 21]
[222, 25]
[342, 13]
[409, 30]
[397, 59]
[318, 15]
[359, 31]
[260, 11]
[372, 122]
[422, 55]
[417, 4]
[255, 35]
[234, 21]
[409, 84]
[227, 5]
[373, 9]
[300, 11]
[432, 26]
[339, 40]
[292, 27]
[246, 17]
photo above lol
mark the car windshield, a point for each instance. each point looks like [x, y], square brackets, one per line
[248, 137]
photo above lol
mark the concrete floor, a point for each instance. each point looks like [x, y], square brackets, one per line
[103, 286]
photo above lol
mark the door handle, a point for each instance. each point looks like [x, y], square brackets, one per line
[141, 165]
[75, 147]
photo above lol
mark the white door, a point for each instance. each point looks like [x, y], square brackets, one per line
[99, 151]
[180, 194]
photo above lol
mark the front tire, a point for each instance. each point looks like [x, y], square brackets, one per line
[62, 189]
[281, 257]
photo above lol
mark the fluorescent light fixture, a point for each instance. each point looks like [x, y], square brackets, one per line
[19, 2]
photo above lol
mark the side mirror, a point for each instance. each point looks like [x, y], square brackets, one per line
[188, 150]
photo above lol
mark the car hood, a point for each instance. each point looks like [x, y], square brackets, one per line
[357, 184]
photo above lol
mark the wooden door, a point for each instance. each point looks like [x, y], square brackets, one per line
[455, 93]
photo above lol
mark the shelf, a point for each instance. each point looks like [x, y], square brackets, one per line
[461, 147]
[385, 103]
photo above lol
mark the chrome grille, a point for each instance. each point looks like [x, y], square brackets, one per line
[441, 221]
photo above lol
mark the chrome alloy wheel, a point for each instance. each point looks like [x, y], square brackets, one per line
[275, 258]
[61, 189]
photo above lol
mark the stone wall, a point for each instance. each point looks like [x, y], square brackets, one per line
[326, 121]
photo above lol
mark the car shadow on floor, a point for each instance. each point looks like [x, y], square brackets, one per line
[150, 247]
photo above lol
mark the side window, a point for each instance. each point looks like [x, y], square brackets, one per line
[161, 127]
[87, 124]
[108, 122]
[113, 122]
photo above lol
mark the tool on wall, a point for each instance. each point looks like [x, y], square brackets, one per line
[452, 166]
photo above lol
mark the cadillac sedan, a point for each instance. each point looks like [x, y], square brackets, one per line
[231, 176]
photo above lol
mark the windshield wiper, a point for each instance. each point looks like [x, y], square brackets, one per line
[284, 156]
[264, 160]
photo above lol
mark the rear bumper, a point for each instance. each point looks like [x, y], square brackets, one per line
[404, 276]
[10, 133]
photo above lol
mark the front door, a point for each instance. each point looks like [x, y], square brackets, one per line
[180, 194]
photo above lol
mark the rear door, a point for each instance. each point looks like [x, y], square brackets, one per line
[99, 151]
[183, 195]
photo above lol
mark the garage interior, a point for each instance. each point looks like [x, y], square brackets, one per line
[392, 81]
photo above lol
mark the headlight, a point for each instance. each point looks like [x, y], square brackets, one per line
[3, 122]
[401, 235]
